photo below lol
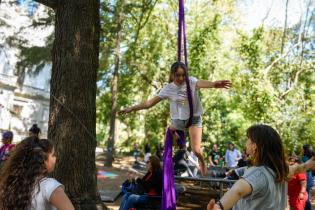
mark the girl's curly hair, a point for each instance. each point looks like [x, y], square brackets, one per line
[22, 172]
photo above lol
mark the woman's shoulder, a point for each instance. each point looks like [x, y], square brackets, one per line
[259, 171]
[48, 182]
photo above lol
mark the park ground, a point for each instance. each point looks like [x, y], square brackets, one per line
[111, 178]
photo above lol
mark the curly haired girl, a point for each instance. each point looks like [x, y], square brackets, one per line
[24, 184]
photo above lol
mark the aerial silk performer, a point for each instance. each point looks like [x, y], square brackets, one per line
[185, 111]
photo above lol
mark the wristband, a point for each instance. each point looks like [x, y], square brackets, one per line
[220, 204]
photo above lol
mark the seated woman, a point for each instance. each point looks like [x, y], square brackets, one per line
[263, 185]
[151, 182]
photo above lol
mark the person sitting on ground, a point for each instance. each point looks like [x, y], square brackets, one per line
[264, 185]
[7, 147]
[297, 188]
[34, 131]
[24, 184]
[151, 183]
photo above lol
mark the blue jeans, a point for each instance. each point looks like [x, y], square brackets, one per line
[308, 205]
[130, 200]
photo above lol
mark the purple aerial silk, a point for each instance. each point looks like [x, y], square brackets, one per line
[168, 192]
[182, 31]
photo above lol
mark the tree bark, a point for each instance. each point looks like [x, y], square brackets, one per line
[114, 89]
[72, 117]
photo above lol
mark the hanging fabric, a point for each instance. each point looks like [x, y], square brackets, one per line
[168, 192]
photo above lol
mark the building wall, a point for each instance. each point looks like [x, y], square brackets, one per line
[22, 106]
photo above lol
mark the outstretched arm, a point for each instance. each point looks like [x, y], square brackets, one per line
[145, 105]
[301, 168]
[217, 84]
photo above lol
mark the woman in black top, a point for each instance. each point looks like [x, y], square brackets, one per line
[151, 183]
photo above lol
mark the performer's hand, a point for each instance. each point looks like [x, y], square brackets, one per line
[173, 129]
[125, 111]
[301, 196]
[223, 84]
[212, 205]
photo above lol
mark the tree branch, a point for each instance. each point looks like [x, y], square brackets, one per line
[296, 80]
[49, 3]
[268, 68]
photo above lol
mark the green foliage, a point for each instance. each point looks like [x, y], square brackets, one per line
[268, 86]
[263, 90]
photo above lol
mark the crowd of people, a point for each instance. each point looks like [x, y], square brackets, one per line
[262, 162]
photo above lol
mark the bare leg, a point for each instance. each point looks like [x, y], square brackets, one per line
[195, 141]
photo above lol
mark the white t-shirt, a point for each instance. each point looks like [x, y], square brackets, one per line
[177, 95]
[41, 196]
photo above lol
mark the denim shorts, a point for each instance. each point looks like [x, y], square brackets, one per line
[181, 124]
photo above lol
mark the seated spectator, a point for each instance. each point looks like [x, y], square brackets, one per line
[263, 185]
[297, 188]
[151, 184]
[7, 146]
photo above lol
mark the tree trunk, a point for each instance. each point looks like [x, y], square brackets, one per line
[73, 99]
[112, 126]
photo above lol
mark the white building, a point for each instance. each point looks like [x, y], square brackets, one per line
[21, 106]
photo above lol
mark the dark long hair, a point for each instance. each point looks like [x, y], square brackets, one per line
[22, 172]
[174, 68]
[270, 150]
[155, 163]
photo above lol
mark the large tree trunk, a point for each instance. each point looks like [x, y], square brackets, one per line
[72, 103]
[112, 126]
